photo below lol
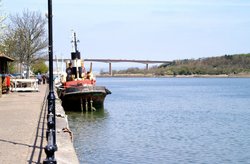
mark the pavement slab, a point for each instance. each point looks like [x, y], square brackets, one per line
[23, 126]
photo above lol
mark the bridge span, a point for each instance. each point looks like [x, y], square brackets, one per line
[110, 61]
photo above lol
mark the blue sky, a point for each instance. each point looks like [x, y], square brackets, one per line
[146, 29]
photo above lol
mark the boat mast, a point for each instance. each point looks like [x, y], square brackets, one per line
[75, 42]
[76, 55]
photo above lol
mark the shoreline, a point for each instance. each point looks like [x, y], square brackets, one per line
[245, 75]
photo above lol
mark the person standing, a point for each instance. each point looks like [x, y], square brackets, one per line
[69, 72]
[44, 79]
[83, 71]
[39, 77]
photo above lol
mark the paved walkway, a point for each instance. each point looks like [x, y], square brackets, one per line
[22, 127]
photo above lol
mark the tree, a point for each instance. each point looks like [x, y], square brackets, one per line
[2, 18]
[26, 40]
[2, 27]
[40, 67]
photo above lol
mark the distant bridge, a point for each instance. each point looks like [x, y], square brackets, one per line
[110, 61]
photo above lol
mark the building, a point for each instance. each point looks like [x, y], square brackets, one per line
[4, 79]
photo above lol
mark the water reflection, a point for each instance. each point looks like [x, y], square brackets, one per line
[89, 130]
[87, 116]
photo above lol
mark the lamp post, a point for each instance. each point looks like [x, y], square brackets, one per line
[51, 121]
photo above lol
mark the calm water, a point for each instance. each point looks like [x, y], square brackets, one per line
[167, 120]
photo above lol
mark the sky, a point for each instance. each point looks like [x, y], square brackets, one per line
[146, 29]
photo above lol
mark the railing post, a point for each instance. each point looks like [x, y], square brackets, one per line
[51, 119]
[0, 85]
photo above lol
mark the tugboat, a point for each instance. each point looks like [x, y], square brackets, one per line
[78, 91]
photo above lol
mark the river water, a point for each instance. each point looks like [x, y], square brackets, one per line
[167, 120]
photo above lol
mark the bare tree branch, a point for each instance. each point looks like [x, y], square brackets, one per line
[28, 36]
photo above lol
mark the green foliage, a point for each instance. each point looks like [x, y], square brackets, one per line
[11, 67]
[133, 70]
[227, 64]
[39, 67]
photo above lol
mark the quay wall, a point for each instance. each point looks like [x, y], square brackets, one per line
[64, 137]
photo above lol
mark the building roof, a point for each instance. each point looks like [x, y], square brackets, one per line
[2, 56]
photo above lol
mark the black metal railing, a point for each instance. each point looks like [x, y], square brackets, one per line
[51, 116]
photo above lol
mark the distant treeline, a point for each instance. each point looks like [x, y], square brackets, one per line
[227, 64]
